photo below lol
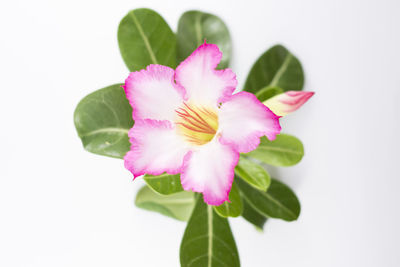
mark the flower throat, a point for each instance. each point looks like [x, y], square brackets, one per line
[198, 125]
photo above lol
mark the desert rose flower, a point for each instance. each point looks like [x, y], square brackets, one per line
[188, 121]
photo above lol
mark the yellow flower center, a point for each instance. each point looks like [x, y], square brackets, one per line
[198, 125]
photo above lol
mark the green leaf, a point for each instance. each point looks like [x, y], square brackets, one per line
[268, 92]
[276, 67]
[253, 173]
[278, 201]
[253, 216]
[164, 184]
[194, 27]
[285, 150]
[208, 240]
[145, 38]
[233, 208]
[178, 206]
[102, 120]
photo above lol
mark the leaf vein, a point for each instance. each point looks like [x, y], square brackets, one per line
[144, 37]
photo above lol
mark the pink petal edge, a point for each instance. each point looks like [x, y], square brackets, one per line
[153, 93]
[209, 195]
[139, 165]
[259, 117]
[223, 82]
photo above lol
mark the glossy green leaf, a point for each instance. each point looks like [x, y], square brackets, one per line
[285, 150]
[208, 240]
[145, 38]
[268, 92]
[178, 206]
[253, 216]
[276, 67]
[253, 173]
[278, 201]
[103, 119]
[233, 208]
[164, 184]
[194, 27]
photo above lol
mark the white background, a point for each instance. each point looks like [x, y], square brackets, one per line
[62, 206]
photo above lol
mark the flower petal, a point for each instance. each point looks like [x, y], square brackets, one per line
[156, 148]
[243, 119]
[153, 94]
[287, 102]
[210, 170]
[202, 82]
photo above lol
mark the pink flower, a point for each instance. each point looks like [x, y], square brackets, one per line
[188, 121]
[287, 102]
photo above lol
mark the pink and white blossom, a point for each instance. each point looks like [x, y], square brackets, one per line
[188, 121]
